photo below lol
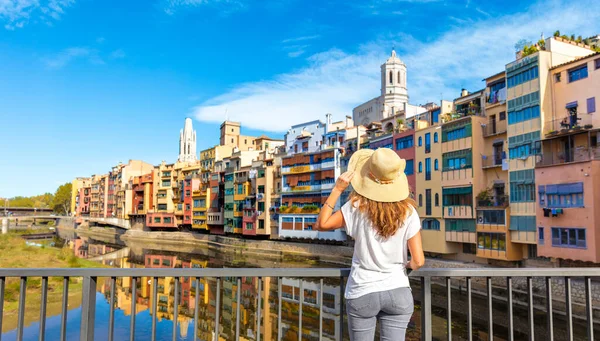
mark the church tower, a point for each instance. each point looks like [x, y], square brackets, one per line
[187, 142]
[393, 84]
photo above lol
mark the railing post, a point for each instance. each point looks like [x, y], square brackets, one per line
[426, 308]
[88, 308]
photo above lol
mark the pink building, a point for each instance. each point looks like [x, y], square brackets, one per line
[568, 170]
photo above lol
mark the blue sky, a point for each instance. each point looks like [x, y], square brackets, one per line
[85, 84]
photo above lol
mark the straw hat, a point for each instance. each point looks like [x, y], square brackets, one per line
[379, 175]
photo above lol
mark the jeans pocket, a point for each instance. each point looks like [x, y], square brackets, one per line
[360, 304]
[402, 301]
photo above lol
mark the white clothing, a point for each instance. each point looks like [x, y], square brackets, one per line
[377, 264]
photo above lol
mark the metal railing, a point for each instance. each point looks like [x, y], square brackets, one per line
[494, 160]
[567, 123]
[576, 155]
[479, 282]
[494, 128]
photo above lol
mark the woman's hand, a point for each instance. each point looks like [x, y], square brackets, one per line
[343, 181]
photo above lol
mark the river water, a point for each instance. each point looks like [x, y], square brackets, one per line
[144, 255]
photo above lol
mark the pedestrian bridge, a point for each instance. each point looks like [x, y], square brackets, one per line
[115, 222]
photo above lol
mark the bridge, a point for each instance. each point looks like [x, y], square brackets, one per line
[116, 222]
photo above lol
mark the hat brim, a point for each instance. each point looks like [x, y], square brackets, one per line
[364, 185]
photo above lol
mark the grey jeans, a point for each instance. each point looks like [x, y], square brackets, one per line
[393, 309]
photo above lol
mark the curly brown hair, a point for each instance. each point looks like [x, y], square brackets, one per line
[387, 217]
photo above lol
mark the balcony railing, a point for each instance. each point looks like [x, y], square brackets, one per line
[577, 155]
[499, 201]
[568, 124]
[504, 292]
[306, 188]
[455, 115]
[494, 128]
[494, 160]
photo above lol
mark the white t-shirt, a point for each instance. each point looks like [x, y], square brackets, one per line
[377, 264]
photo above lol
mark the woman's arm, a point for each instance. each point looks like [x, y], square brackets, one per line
[415, 246]
[328, 220]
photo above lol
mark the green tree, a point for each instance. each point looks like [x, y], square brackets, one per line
[62, 199]
[557, 33]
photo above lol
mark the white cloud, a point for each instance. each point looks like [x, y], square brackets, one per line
[303, 38]
[16, 13]
[226, 6]
[70, 54]
[335, 81]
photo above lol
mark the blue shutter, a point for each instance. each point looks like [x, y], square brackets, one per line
[591, 105]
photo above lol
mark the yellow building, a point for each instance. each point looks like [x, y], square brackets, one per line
[78, 184]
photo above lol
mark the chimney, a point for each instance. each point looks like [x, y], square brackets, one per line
[327, 122]
[349, 121]
[464, 92]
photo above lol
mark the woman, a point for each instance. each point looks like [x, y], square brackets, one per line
[384, 223]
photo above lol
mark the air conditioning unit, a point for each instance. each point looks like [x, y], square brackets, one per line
[480, 220]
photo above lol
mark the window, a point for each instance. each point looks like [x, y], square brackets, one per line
[420, 141]
[470, 249]
[557, 78]
[460, 159]
[157, 220]
[568, 237]
[431, 224]
[437, 200]
[231, 140]
[427, 169]
[404, 142]
[435, 117]
[398, 76]
[491, 241]
[458, 196]
[391, 78]
[420, 200]
[166, 262]
[578, 73]
[460, 225]
[261, 224]
[261, 206]
[522, 186]
[427, 202]
[522, 77]
[522, 223]
[541, 235]
[427, 143]
[410, 167]
[187, 193]
[420, 167]
[597, 63]
[591, 105]
[495, 217]
[261, 189]
[502, 116]
[162, 207]
[436, 165]
[524, 114]
[563, 195]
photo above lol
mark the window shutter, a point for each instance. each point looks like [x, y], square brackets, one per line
[591, 105]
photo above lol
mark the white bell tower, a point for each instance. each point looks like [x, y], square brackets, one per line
[393, 83]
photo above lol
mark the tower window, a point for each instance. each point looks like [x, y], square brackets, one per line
[391, 78]
[231, 140]
[399, 79]
[245, 141]
[232, 130]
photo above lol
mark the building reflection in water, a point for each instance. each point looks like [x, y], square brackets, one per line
[207, 299]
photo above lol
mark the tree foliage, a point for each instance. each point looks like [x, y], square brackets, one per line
[36, 201]
[62, 199]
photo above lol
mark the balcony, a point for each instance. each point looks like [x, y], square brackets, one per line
[239, 179]
[562, 157]
[458, 114]
[497, 202]
[297, 189]
[493, 128]
[301, 169]
[490, 161]
[569, 124]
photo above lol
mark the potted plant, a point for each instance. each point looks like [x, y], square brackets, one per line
[588, 126]
[484, 198]
[577, 127]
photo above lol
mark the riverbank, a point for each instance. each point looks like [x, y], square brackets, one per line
[15, 253]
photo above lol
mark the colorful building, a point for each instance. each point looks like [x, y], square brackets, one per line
[568, 170]
[309, 171]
